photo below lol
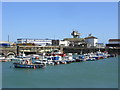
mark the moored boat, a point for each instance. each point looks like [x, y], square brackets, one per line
[27, 64]
[18, 65]
[90, 59]
[63, 62]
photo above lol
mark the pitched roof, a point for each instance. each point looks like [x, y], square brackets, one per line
[112, 40]
[91, 37]
[75, 39]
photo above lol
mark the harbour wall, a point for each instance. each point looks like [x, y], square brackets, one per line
[33, 50]
[88, 50]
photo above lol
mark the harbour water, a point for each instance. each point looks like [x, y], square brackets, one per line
[89, 74]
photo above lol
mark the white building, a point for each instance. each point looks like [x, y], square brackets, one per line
[63, 43]
[91, 41]
[41, 42]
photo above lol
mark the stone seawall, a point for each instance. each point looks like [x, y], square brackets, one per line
[88, 50]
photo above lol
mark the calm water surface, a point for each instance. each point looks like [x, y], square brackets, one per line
[90, 74]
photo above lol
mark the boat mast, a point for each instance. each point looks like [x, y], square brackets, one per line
[8, 38]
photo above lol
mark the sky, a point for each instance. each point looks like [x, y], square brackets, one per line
[56, 20]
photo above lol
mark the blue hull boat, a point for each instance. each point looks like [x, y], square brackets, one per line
[17, 65]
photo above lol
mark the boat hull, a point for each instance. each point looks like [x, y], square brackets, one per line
[28, 66]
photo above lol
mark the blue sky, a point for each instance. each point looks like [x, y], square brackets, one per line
[58, 19]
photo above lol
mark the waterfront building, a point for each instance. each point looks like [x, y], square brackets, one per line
[113, 43]
[40, 42]
[76, 41]
[55, 42]
[64, 43]
[91, 41]
[60, 43]
[100, 45]
[6, 44]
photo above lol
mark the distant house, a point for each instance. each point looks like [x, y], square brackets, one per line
[113, 43]
[91, 41]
